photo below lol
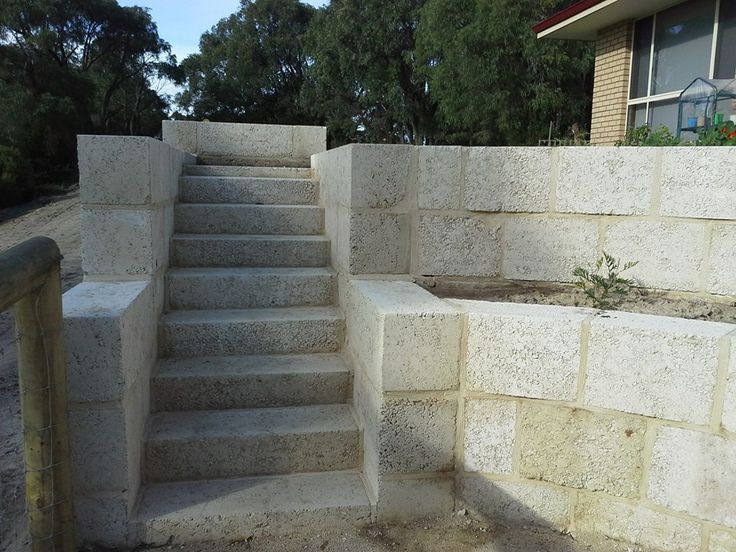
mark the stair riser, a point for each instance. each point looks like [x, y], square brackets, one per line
[237, 161]
[232, 190]
[252, 172]
[251, 338]
[249, 253]
[247, 219]
[192, 292]
[183, 460]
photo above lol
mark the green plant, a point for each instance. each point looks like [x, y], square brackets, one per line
[722, 135]
[605, 289]
[647, 136]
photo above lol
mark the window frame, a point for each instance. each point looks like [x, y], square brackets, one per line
[655, 98]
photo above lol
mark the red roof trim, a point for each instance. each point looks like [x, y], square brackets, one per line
[567, 13]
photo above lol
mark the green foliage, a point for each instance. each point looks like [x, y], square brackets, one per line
[604, 289]
[647, 136]
[722, 135]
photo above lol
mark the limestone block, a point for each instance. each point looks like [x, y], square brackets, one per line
[458, 246]
[712, 195]
[654, 365]
[671, 255]
[308, 140]
[489, 436]
[438, 176]
[523, 503]
[117, 170]
[417, 435]
[244, 141]
[601, 516]
[721, 541]
[122, 242]
[729, 404]
[410, 499]
[367, 402]
[102, 519]
[513, 179]
[523, 350]
[407, 339]
[379, 174]
[722, 263]
[693, 472]
[547, 249]
[582, 449]
[110, 331]
[605, 180]
[379, 243]
[181, 135]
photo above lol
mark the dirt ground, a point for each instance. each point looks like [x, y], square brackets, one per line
[58, 218]
[662, 303]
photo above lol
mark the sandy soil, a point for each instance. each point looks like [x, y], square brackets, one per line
[58, 218]
[683, 305]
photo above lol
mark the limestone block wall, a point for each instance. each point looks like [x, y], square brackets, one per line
[128, 186]
[246, 144]
[576, 419]
[533, 213]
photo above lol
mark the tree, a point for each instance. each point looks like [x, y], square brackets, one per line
[493, 81]
[251, 66]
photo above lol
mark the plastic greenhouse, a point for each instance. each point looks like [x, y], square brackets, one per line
[705, 104]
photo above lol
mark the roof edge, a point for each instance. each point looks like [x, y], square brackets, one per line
[567, 13]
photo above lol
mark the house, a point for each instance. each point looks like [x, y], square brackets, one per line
[647, 52]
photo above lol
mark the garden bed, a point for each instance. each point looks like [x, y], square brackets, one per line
[663, 303]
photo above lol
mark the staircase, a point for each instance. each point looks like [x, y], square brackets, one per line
[251, 428]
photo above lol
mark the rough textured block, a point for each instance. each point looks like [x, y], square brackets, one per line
[110, 330]
[410, 499]
[181, 135]
[722, 262]
[653, 365]
[244, 141]
[693, 472]
[136, 237]
[516, 503]
[379, 243]
[458, 246]
[438, 176]
[523, 350]
[407, 339]
[548, 249]
[308, 140]
[514, 179]
[255, 191]
[102, 519]
[581, 449]
[611, 181]
[670, 255]
[711, 195]
[249, 219]
[729, 406]
[601, 516]
[380, 174]
[489, 436]
[417, 436]
[721, 541]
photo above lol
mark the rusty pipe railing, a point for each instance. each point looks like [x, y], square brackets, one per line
[30, 281]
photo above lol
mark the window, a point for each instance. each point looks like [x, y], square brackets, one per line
[671, 49]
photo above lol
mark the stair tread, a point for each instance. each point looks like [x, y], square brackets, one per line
[251, 315]
[222, 366]
[246, 271]
[253, 237]
[254, 422]
[246, 178]
[267, 206]
[252, 495]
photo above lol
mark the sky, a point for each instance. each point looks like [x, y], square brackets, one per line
[182, 22]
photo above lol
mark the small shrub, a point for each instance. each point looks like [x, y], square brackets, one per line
[722, 135]
[604, 290]
[647, 136]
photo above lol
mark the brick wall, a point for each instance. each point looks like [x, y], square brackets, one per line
[612, 67]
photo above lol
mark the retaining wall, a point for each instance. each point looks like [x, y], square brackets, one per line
[128, 186]
[533, 213]
[574, 419]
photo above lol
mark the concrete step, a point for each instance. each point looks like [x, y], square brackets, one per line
[261, 441]
[240, 250]
[229, 509]
[250, 288]
[230, 218]
[268, 191]
[253, 172]
[293, 330]
[228, 160]
[220, 383]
